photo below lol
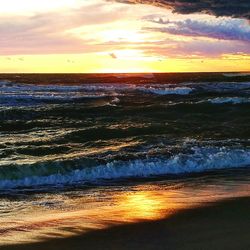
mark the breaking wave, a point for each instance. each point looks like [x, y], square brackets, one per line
[169, 91]
[200, 160]
[232, 100]
[14, 94]
[39, 123]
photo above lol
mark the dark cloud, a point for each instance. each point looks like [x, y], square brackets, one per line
[230, 8]
[225, 29]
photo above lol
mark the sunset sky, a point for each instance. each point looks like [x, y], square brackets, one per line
[124, 36]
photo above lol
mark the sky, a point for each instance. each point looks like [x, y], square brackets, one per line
[89, 36]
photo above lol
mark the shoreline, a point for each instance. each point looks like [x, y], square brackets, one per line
[217, 225]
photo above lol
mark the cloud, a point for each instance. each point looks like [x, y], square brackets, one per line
[82, 29]
[195, 48]
[230, 8]
[225, 29]
[50, 32]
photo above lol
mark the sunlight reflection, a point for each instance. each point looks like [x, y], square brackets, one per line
[141, 205]
[54, 215]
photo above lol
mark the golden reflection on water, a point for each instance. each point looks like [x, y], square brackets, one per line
[142, 205]
[112, 146]
[85, 213]
[96, 210]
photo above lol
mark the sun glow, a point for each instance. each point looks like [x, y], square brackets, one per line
[82, 36]
[142, 205]
[122, 35]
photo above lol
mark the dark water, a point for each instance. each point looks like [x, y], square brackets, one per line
[78, 134]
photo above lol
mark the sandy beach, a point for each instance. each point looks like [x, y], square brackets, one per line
[222, 225]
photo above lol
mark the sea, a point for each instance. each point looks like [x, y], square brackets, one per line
[86, 151]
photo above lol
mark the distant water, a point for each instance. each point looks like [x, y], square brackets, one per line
[79, 134]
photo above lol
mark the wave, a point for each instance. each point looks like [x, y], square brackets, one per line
[223, 87]
[232, 100]
[200, 160]
[29, 95]
[236, 74]
[168, 91]
[114, 101]
[13, 94]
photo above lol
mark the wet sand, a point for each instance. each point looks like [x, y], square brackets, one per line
[221, 225]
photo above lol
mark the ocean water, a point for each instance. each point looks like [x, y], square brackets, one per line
[71, 142]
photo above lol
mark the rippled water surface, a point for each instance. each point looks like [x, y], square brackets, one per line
[69, 134]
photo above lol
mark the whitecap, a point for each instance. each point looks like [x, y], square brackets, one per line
[168, 91]
[232, 100]
[201, 160]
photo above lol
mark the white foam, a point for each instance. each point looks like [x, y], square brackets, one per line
[27, 94]
[233, 100]
[168, 91]
[14, 94]
[115, 101]
[202, 159]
